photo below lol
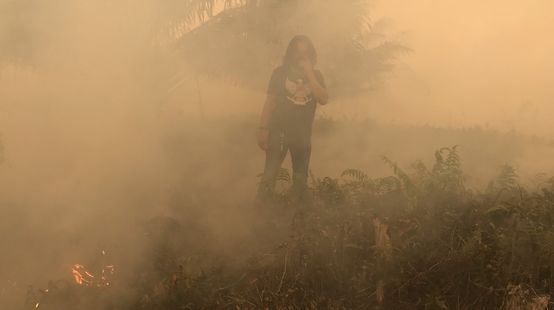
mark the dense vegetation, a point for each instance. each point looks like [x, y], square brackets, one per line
[418, 239]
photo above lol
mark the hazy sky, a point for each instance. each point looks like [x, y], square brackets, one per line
[476, 61]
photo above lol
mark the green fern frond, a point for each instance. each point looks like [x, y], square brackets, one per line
[388, 184]
[355, 174]
[398, 172]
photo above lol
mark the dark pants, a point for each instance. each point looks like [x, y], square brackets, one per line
[279, 145]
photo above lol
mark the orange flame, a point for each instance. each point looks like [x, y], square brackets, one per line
[84, 277]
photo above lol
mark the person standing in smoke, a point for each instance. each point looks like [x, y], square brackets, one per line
[295, 88]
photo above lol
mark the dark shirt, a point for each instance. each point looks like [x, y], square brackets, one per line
[295, 105]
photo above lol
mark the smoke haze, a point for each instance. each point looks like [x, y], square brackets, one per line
[100, 136]
[474, 63]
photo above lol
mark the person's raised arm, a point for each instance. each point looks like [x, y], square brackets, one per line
[320, 93]
[316, 83]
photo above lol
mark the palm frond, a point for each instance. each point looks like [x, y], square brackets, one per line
[245, 41]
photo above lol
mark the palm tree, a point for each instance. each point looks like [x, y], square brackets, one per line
[242, 40]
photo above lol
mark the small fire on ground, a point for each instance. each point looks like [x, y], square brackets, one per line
[83, 277]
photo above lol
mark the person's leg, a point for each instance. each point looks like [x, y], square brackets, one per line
[300, 156]
[275, 154]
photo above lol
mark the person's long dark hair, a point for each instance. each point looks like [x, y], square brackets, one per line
[289, 54]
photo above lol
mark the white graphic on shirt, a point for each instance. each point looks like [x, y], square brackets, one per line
[298, 91]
